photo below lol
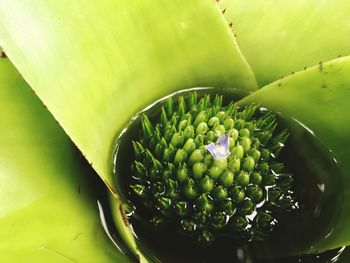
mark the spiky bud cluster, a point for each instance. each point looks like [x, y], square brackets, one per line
[179, 181]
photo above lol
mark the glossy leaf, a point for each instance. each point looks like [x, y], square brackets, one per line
[47, 211]
[319, 99]
[281, 37]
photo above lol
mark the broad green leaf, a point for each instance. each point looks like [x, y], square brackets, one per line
[47, 209]
[281, 37]
[95, 64]
[319, 98]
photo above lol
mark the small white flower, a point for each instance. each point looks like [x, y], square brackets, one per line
[220, 150]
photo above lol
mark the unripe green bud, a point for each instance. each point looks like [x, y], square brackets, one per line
[196, 156]
[190, 191]
[215, 172]
[221, 115]
[242, 178]
[232, 144]
[239, 124]
[233, 134]
[138, 150]
[208, 159]
[199, 140]
[265, 155]
[140, 169]
[188, 132]
[248, 164]
[210, 137]
[255, 154]
[247, 207]
[245, 142]
[204, 203]
[141, 191]
[168, 153]
[238, 223]
[263, 167]
[180, 156]
[244, 132]
[158, 189]
[227, 178]
[182, 173]
[218, 220]
[255, 178]
[202, 128]
[263, 220]
[189, 146]
[177, 140]
[168, 134]
[182, 125]
[227, 207]
[206, 185]
[201, 117]
[220, 193]
[255, 193]
[219, 130]
[234, 164]
[269, 179]
[198, 170]
[164, 205]
[213, 121]
[200, 217]
[229, 123]
[238, 151]
[221, 163]
[181, 208]
[237, 194]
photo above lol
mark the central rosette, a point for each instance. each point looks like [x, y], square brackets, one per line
[212, 170]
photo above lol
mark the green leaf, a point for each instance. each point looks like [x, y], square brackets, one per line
[319, 98]
[47, 211]
[281, 37]
[95, 64]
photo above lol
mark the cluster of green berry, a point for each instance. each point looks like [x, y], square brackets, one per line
[236, 190]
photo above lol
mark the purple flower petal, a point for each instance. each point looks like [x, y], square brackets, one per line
[220, 150]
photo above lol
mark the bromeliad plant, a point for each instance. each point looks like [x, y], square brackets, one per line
[95, 64]
[212, 169]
